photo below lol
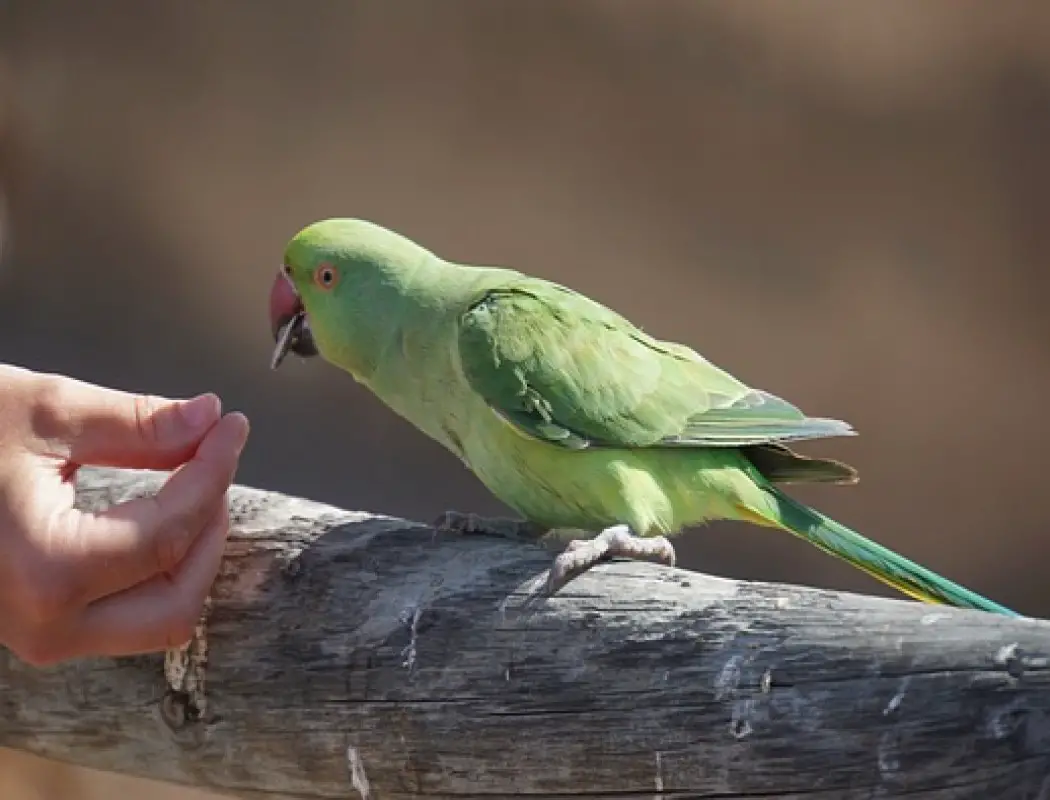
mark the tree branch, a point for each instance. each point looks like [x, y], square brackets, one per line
[348, 655]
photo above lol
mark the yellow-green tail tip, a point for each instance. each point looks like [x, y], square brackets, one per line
[880, 562]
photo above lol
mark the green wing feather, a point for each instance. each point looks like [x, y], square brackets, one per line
[568, 370]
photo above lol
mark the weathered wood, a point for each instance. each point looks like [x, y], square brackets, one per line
[351, 655]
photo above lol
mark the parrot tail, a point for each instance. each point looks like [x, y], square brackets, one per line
[878, 561]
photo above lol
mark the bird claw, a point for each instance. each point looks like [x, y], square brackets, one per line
[581, 555]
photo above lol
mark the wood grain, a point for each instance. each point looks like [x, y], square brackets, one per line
[349, 655]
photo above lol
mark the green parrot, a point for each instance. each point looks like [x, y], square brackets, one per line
[565, 410]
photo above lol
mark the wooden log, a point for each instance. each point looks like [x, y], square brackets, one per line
[349, 655]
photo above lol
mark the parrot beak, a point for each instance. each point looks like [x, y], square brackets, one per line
[288, 323]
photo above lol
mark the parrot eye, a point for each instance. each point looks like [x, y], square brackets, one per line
[325, 276]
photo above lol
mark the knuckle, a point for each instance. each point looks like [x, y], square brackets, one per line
[146, 409]
[171, 545]
[49, 409]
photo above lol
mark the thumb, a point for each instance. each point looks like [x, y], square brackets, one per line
[89, 424]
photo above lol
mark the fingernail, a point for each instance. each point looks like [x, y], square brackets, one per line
[201, 410]
[245, 430]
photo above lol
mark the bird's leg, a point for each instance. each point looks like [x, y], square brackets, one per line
[582, 554]
[475, 524]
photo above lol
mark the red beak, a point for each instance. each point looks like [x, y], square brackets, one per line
[284, 304]
[288, 323]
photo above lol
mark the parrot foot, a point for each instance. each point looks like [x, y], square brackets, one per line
[582, 554]
[477, 525]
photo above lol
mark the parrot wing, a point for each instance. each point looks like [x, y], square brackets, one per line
[568, 370]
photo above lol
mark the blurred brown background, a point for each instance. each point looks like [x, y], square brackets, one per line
[845, 203]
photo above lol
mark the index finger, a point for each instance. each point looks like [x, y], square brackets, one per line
[132, 542]
[89, 424]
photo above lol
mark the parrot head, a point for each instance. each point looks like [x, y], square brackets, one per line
[329, 294]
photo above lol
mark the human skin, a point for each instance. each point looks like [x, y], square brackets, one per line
[130, 579]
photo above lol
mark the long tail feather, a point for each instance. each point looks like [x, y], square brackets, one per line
[878, 561]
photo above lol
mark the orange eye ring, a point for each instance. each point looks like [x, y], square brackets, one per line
[326, 276]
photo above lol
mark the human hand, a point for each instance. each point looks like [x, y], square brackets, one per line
[132, 578]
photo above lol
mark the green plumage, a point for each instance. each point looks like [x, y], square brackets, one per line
[576, 374]
[565, 410]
